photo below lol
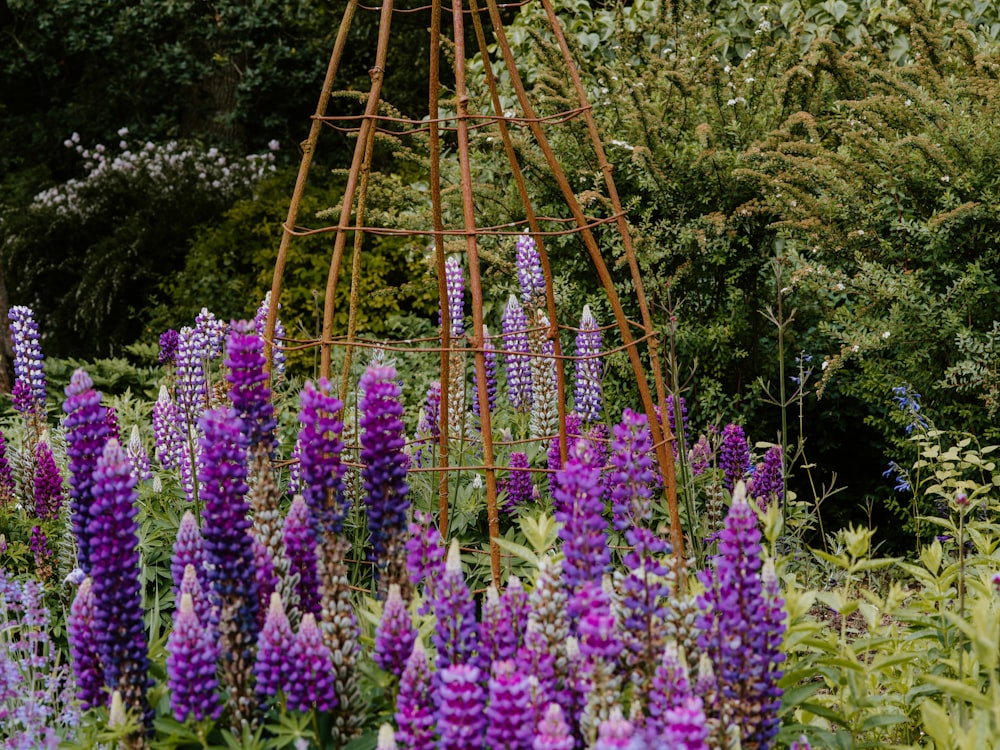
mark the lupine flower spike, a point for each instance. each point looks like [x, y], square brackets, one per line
[273, 667]
[553, 732]
[84, 653]
[312, 679]
[587, 398]
[191, 662]
[517, 356]
[48, 484]
[414, 704]
[29, 387]
[394, 635]
[734, 455]
[456, 635]
[461, 721]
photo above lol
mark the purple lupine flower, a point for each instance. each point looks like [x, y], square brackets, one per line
[548, 617]
[432, 411]
[191, 656]
[425, 552]
[632, 479]
[273, 666]
[529, 272]
[415, 704]
[490, 360]
[579, 507]
[312, 685]
[115, 569]
[169, 341]
[802, 743]
[675, 712]
[734, 455]
[678, 429]
[248, 391]
[86, 435]
[597, 628]
[189, 549]
[394, 634]
[587, 396]
[517, 355]
[171, 446]
[544, 416]
[384, 470]
[515, 603]
[497, 640]
[114, 429]
[212, 331]
[461, 722]
[456, 634]
[230, 571]
[40, 551]
[700, 456]
[191, 586]
[260, 325]
[266, 575]
[8, 490]
[454, 279]
[741, 625]
[614, 733]
[83, 648]
[516, 483]
[767, 482]
[319, 461]
[137, 456]
[685, 725]
[553, 732]
[294, 486]
[48, 484]
[28, 360]
[509, 712]
[645, 590]
[300, 547]
[192, 381]
[537, 660]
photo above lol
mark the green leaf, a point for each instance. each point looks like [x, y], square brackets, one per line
[518, 550]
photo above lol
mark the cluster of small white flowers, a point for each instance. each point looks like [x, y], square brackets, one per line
[160, 163]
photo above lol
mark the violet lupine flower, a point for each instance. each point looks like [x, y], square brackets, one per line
[300, 547]
[169, 340]
[529, 272]
[553, 732]
[260, 325]
[579, 507]
[191, 586]
[294, 486]
[312, 685]
[734, 455]
[587, 396]
[461, 722]
[8, 490]
[28, 368]
[456, 633]
[544, 417]
[685, 726]
[632, 477]
[490, 360]
[229, 556]
[432, 410]
[266, 575]
[39, 546]
[384, 470]
[700, 456]
[114, 429]
[516, 483]
[675, 712]
[248, 391]
[614, 733]
[273, 666]
[537, 659]
[213, 332]
[454, 279]
[319, 461]
[394, 634]
[509, 714]
[415, 704]
[115, 569]
[741, 624]
[645, 592]
[189, 549]
[767, 483]
[425, 552]
[597, 628]
[496, 631]
[137, 456]
[191, 658]
[86, 435]
[83, 648]
[517, 355]
[171, 446]
[48, 484]
[192, 381]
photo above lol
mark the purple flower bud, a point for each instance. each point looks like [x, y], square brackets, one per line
[8, 489]
[632, 478]
[191, 657]
[86, 434]
[273, 667]
[734, 455]
[319, 461]
[597, 628]
[188, 550]
[517, 482]
[28, 361]
[84, 653]
[455, 283]
[424, 551]
[48, 484]
[461, 721]
[169, 340]
[614, 733]
[260, 325]
[509, 713]
[138, 457]
[212, 332]
[517, 356]
[767, 484]
[701, 456]
[414, 704]
[553, 732]
[312, 685]
[300, 547]
[248, 391]
[587, 398]
[171, 447]
[192, 381]
[394, 635]
[579, 507]
[456, 634]
[529, 272]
